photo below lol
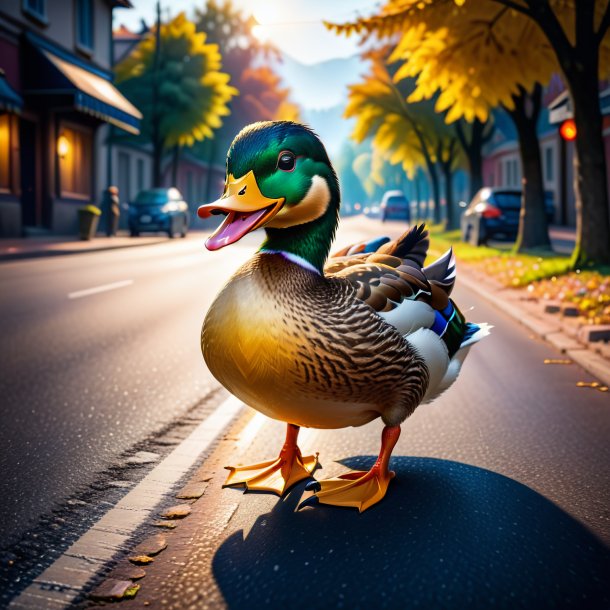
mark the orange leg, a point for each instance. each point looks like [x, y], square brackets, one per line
[276, 475]
[358, 488]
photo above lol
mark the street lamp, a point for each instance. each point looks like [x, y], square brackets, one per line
[63, 146]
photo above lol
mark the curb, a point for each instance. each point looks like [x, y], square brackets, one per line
[68, 577]
[549, 331]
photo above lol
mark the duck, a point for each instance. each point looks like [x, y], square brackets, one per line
[317, 341]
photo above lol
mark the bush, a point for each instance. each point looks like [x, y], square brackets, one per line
[91, 209]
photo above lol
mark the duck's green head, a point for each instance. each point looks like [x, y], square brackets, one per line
[278, 177]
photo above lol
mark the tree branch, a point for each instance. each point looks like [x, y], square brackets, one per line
[604, 25]
[584, 18]
[515, 6]
[488, 132]
[542, 14]
[459, 132]
[413, 123]
[536, 97]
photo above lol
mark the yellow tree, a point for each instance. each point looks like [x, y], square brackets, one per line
[175, 79]
[494, 52]
[409, 134]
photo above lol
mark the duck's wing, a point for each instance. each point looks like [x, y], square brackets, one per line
[393, 273]
[407, 295]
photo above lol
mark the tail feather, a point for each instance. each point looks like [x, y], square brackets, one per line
[411, 246]
[442, 272]
[475, 332]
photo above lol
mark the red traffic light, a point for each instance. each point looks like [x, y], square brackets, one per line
[568, 130]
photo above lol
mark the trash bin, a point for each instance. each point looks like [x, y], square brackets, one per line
[112, 209]
[88, 219]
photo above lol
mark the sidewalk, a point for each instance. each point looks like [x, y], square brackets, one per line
[35, 247]
[563, 333]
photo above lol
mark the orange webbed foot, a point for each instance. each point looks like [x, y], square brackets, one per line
[357, 489]
[279, 475]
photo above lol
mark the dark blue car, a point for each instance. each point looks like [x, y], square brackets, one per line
[160, 209]
[494, 213]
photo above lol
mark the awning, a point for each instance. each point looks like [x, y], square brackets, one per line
[10, 100]
[99, 97]
[88, 89]
[561, 108]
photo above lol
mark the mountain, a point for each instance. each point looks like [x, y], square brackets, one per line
[322, 85]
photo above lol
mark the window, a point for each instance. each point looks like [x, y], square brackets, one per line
[84, 24]
[511, 173]
[74, 151]
[36, 9]
[5, 153]
[549, 162]
[517, 173]
[140, 174]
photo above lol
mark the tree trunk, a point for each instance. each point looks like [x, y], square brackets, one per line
[418, 205]
[473, 150]
[476, 173]
[579, 60]
[436, 193]
[157, 162]
[175, 163]
[590, 183]
[453, 218]
[533, 226]
[157, 140]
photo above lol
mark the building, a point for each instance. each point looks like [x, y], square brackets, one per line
[502, 162]
[55, 92]
[131, 172]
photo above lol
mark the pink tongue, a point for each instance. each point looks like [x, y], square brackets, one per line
[233, 228]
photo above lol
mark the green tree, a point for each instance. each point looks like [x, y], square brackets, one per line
[174, 76]
[494, 52]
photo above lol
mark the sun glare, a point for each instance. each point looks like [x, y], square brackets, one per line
[261, 33]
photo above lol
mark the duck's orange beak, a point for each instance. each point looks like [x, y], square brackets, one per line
[246, 210]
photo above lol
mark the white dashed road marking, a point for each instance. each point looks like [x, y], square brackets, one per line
[97, 289]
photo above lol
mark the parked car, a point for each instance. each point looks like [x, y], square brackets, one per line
[493, 213]
[394, 206]
[160, 209]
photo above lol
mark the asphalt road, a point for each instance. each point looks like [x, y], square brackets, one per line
[502, 483]
[87, 375]
[501, 500]
[85, 378]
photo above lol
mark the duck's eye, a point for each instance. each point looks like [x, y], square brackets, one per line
[286, 161]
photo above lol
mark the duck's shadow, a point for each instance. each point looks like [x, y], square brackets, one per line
[447, 535]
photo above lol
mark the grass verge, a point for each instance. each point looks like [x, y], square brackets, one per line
[546, 276]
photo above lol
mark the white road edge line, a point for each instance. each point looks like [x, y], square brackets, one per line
[62, 581]
[249, 433]
[97, 289]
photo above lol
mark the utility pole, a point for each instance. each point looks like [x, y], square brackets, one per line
[157, 148]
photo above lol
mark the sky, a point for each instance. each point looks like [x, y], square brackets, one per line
[318, 64]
